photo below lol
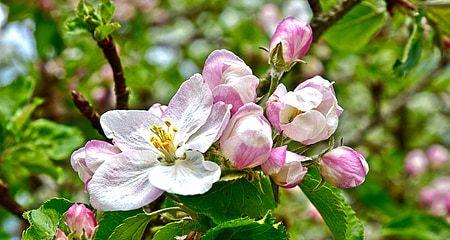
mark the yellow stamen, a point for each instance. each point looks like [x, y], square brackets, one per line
[163, 140]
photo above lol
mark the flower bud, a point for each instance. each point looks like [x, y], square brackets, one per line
[60, 235]
[311, 112]
[294, 37]
[157, 109]
[274, 105]
[81, 221]
[344, 167]
[416, 162]
[437, 156]
[247, 139]
[292, 172]
[87, 159]
[230, 79]
[276, 161]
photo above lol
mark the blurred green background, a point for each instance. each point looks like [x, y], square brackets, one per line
[389, 110]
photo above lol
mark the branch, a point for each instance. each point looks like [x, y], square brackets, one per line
[88, 112]
[8, 202]
[120, 87]
[324, 21]
[315, 7]
[400, 101]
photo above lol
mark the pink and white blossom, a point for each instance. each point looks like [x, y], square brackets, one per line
[437, 155]
[436, 197]
[276, 160]
[344, 167]
[87, 159]
[60, 235]
[230, 79]
[160, 153]
[292, 172]
[247, 140]
[416, 162]
[295, 37]
[81, 221]
[308, 114]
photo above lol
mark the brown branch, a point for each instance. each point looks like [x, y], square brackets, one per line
[324, 21]
[9, 203]
[120, 86]
[315, 7]
[87, 110]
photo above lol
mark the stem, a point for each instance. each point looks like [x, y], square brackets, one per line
[164, 210]
[88, 111]
[274, 80]
[315, 6]
[120, 87]
[10, 204]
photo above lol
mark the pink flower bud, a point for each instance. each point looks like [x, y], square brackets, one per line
[344, 167]
[230, 79]
[292, 172]
[437, 156]
[311, 112]
[81, 221]
[157, 109]
[416, 162]
[295, 37]
[87, 159]
[274, 105]
[247, 139]
[276, 161]
[60, 235]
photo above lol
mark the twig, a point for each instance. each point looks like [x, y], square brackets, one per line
[315, 7]
[8, 202]
[120, 86]
[324, 21]
[87, 110]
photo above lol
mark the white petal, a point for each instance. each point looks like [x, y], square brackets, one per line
[129, 129]
[304, 99]
[187, 177]
[306, 127]
[189, 108]
[210, 131]
[122, 183]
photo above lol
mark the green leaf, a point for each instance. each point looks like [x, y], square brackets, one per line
[110, 220]
[49, 42]
[22, 116]
[412, 51]
[417, 226]
[232, 199]
[132, 228]
[247, 229]
[56, 140]
[337, 214]
[15, 95]
[101, 32]
[45, 220]
[439, 12]
[107, 9]
[173, 229]
[357, 27]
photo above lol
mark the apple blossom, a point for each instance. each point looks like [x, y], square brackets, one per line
[416, 162]
[160, 153]
[437, 156]
[157, 109]
[436, 196]
[343, 167]
[60, 235]
[81, 221]
[308, 114]
[276, 160]
[292, 172]
[87, 159]
[230, 79]
[295, 37]
[247, 140]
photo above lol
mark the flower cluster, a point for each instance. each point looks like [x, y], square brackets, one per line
[163, 149]
[418, 161]
[436, 197]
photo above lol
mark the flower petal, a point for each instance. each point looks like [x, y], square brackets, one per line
[229, 95]
[244, 86]
[305, 127]
[129, 129]
[97, 152]
[189, 108]
[210, 131]
[187, 177]
[122, 183]
[304, 99]
[214, 66]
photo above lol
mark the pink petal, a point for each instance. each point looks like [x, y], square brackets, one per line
[276, 160]
[306, 127]
[213, 69]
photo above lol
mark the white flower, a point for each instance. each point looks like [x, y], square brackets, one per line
[160, 153]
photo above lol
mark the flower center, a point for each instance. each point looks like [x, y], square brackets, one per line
[163, 140]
